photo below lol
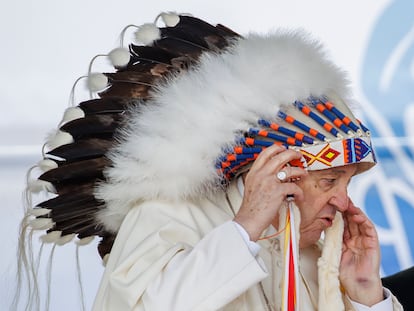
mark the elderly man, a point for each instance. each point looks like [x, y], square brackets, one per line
[186, 243]
[225, 178]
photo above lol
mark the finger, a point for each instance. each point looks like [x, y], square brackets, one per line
[293, 172]
[266, 155]
[281, 160]
[353, 226]
[359, 223]
[365, 225]
[276, 157]
[347, 234]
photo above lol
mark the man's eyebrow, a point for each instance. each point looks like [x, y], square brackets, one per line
[334, 171]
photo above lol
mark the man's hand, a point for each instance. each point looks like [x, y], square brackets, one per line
[359, 267]
[264, 193]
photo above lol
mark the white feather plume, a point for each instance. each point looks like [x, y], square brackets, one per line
[170, 147]
[97, 81]
[119, 57]
[147, 33]
[170, 19]
[58, 138]
[72, 113]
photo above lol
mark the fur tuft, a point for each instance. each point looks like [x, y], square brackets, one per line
[85, 241]
[41, 223]
[65, 239]
[36, 186]
[119, 57]
[51, 237]
[58, 138]
[47, 165]
[147, 34]
[38, 211]
[170, 19]
[97, 81]
[72, 113]
[170, 146]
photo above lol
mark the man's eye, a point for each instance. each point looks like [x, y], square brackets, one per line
[329, 180]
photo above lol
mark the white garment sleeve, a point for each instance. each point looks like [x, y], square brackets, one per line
[219, 268]
[253, 246]
[385, 305]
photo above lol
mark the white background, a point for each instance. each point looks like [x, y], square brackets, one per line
[47, 44]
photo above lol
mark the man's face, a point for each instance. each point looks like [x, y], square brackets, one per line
[325, 192]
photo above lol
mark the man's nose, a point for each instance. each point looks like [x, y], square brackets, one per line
[340, 200]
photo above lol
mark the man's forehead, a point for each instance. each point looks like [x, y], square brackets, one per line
[347, 169]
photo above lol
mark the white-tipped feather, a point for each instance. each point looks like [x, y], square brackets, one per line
[47, 165]
[59, 138]
[65, 239]
[170, 19]
[37, 185]
[119, 57]
[147, 34]
[38, 211]
[97, 81]
[51, 237]
[41, 223]
[72, 113]
[85, 241]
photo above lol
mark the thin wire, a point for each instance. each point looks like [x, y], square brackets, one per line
[272, 235]
[81, 292]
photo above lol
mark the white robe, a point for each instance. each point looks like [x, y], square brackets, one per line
[220, 272]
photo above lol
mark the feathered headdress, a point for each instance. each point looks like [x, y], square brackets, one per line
[182, 115]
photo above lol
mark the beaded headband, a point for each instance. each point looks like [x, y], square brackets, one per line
[324, 135]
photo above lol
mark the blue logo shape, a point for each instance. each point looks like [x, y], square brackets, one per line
[386, 192]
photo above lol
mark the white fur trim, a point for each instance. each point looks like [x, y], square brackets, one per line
[85, 241]
[65, 239]
[97, 81]
[105, 260]
[51, 237]
[36, 186]
[119, 57]
[41, 223]
[170, 19]
[171, 145]
[38, 211]
[47, 165]
[72, 113]
[147, 34]
[330, 297]
[59, 138]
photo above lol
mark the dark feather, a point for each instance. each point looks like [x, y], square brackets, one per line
[82, 149]
[105, 105]
[70, 201]
[151, 54]
[79, 186]
[79, 225]
[91, 168]
[200, 33]
[133, 77]
[105, 245]
[93, 126]
[180, 46]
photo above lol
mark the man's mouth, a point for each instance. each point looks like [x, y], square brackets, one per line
[328, 221]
